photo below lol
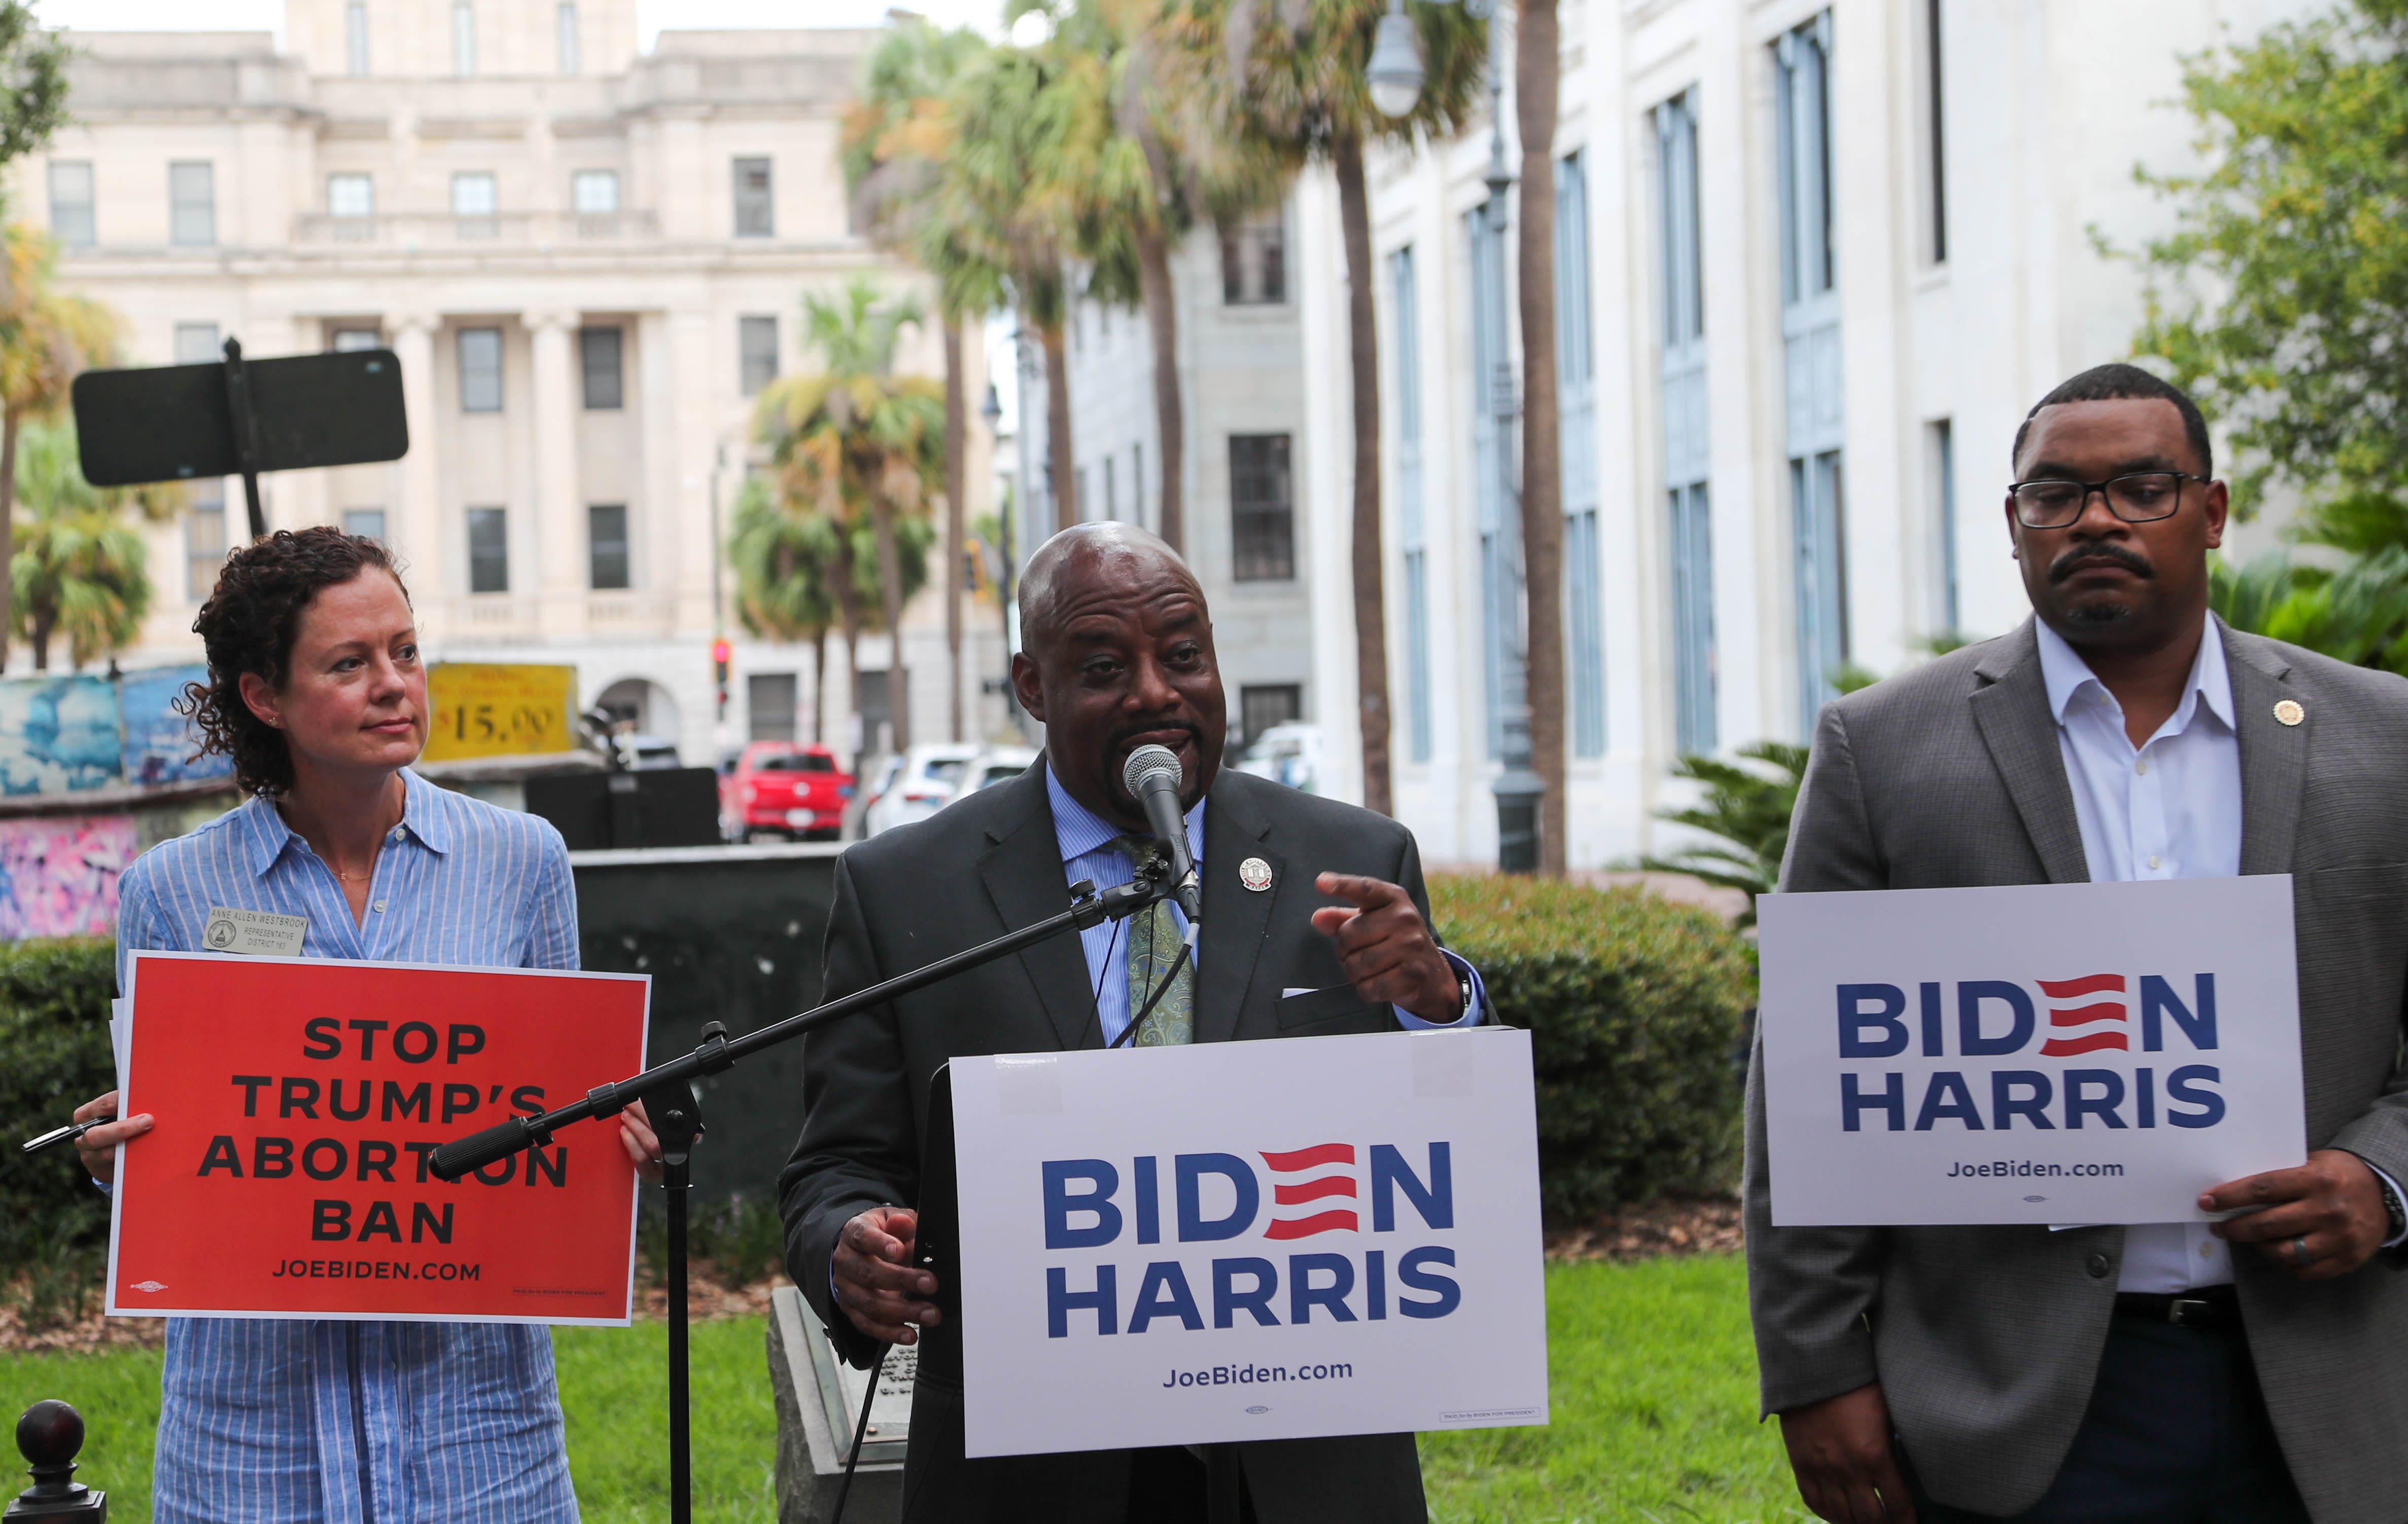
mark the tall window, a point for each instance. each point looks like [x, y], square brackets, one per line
[1499, 515]
[204, 538]
[770, 701]
[1262, 508]
[1261, 706]
[1253, 260]
[355, 36]
[71, 204]
[606, 540]
[593, 192]
[480, 371]
[600, 355]
[1940, 446]
[350, 195]
[564, 25]
[346, 340]
[463, 38]
[756, 342]
[1111, 489]
[476, 203]
[192, 203]
[489, 550]
[1809, 328]
[1576, 377]
[1413, 532]
[1687, 458]
[367, 524]
[1136, 483]
[1935, 146]
[755, 212]
[196, 344]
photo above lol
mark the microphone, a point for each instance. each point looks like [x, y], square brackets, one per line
[1153, 777]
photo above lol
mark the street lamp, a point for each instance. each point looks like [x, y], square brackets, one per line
[1396, 74]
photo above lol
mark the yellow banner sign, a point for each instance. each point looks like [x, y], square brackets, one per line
[492, 710]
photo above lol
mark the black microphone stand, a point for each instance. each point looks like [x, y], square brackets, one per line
[667, 1093]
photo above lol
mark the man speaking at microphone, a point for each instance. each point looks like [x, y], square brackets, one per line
[1314, 923]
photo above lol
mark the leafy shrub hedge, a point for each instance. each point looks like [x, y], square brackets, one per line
[1636, 1007]
[54, 1058]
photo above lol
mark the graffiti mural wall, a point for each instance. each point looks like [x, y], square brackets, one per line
[58, 874]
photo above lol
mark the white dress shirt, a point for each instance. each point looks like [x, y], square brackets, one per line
[2171, 809]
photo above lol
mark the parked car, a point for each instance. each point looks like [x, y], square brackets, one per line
[917, 784]
[642, 753]
[780, 790]
[1289, 754]
[996, 764]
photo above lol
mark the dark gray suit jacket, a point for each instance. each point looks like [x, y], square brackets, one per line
[1986, 1339]
[992, 863]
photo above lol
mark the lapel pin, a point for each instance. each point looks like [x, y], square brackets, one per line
[1255, 874]
[2288, 712]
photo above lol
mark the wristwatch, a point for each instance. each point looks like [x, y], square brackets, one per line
[2396, 1215]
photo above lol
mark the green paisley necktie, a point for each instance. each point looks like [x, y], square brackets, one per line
[1155, 942]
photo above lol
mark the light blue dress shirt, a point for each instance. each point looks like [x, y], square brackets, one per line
[301, 1420]
[1086, 839]
[2167, 809]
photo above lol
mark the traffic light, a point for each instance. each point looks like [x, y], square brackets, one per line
[719, 657]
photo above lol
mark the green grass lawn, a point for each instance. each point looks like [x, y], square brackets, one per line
[1653, 1377]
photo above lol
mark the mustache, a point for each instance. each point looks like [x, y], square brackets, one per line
[1129, 733]
[2131, 560]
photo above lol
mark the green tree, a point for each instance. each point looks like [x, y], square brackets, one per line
[896, 137]
[1745, 812]
[46, 337]
[2357, 613]
[1290, 77]
[2280, 296]
[80, 567]
[862, 446]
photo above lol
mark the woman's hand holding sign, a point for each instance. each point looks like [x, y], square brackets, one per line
[2318, 1221]
[98, 1147]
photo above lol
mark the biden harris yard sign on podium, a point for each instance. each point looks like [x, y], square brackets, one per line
[2060, 1053]
[1234, 1241]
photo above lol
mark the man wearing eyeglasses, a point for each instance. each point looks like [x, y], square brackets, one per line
[2251, 1370]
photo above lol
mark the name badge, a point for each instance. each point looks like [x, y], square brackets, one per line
[261, 932]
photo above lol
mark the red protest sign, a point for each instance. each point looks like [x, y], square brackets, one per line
[298, 1104]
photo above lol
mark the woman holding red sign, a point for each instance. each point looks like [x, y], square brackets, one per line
[317, 692]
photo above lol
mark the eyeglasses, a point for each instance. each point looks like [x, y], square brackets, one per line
[2142, 497]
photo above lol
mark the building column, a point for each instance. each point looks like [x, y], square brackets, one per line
[417, 527]
[559, 536]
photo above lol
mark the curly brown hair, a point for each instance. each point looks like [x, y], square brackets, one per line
[249, 625]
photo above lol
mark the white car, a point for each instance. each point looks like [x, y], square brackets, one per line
[916, 785]
[994, 765]
[1289, 754]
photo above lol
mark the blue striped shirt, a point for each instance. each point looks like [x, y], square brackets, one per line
[283, 1421]
[1086, 840]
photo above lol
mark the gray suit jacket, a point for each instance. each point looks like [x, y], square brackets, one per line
[989, 864]
[1986, 1339]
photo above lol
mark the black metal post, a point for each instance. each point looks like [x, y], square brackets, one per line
[246, 435]
[49, 1435]
[676, 1116]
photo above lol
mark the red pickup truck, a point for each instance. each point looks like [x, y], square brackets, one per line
[781, 789]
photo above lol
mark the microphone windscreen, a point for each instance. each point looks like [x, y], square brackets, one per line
[1146, 760]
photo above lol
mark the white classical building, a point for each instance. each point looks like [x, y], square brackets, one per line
[1241, 390]
[1816, 259]
[589, 260]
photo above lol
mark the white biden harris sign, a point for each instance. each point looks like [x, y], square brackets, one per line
[2063, 1053]
[1237, 1241]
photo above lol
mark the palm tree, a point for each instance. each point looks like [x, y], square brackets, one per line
[1291, 77]
[80, 567]
[1005, 206]
[860, 444]
[1152, 164]
[1746, 814]
[781, 564]
[46, 337]
[1535, 66]
[894, 140]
